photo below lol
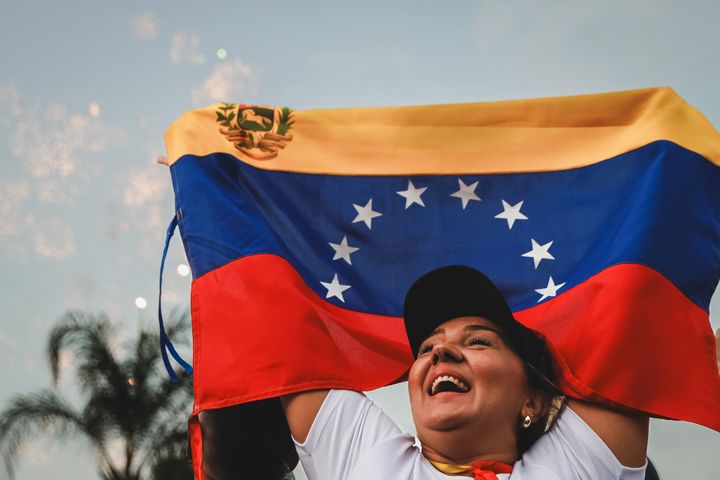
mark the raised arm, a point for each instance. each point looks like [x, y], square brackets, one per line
[301, 409]
[626, 434]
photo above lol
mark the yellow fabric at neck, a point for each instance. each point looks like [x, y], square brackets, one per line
[450, 469]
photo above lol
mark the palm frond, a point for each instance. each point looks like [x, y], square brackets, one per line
[88, 337]
[152, 388]
[171, 442]
[171, 463]
[146, 357]
[129, 398]
[28, 414]
[172, 404]
[109, 472]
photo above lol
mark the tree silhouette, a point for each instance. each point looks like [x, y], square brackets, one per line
[127, 401]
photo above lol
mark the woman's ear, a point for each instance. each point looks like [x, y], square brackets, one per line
[536, 405]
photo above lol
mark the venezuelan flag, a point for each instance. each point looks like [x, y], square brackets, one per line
[598, 216]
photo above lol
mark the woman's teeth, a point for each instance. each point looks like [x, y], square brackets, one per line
[460, 386]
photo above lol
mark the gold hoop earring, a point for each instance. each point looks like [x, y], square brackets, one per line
[527, 421]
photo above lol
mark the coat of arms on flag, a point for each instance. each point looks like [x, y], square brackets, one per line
[598, 217]
[257, 132]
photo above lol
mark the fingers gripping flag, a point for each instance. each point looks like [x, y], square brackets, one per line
[598, 217]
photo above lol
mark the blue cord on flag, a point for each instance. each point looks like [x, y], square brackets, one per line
[165, 343]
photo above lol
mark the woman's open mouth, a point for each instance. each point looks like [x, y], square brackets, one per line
[447, 383]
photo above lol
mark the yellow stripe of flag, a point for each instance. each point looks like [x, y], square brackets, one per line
[532, 135]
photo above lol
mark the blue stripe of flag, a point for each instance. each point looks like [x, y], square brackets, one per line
[658, 205]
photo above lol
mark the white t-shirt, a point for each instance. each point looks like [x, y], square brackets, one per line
[353, 439]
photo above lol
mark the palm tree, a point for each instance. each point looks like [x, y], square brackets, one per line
[127, 401]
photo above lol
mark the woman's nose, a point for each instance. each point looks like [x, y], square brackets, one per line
[443, 353]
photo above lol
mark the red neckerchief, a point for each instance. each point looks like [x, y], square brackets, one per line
[485, 470]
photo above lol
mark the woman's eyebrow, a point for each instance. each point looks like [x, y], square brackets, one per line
[468, 328]
[475, 328]
[437, 331]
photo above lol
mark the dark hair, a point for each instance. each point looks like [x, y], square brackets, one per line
[541, 376]
[528, 436]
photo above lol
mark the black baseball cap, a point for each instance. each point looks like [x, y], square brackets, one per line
[457, 291]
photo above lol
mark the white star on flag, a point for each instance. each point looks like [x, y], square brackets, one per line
[412, 195]
[335, 288]
[550, 290]
[539, 252]
[366, 214]
[343, 250]
[511, 213]
[466, 193]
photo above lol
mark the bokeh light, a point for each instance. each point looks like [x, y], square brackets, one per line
[140, 302]
[183, 270]
[222, 54]
[94, 109]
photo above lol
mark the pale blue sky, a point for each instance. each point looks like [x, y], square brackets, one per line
[87, 89]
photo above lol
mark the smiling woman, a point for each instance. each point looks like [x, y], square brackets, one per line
[483, 402]
[466, 378]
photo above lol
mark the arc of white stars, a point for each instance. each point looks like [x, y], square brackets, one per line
[511, 213]
[343, 250]
[549, 291]
[335, 288]
[412, 195]
[366, 214]
[539, 252]
[466, 193]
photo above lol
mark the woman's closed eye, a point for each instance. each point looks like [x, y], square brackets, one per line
[425, 348]
[479, 341]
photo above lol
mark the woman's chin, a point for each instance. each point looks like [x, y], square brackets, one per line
[447, 419]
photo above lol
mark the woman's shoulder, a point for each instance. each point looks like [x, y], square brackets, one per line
[349, 435]
[572, 448]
